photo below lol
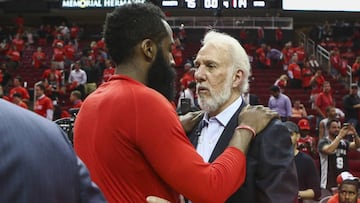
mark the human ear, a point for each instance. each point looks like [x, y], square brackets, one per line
[149, 49]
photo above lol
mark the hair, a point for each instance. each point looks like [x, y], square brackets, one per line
[327, 110]
[128, 25]
[18, 95]
[76, 93]
[237, 53]
[351, 182]
[41, 86]
[331, 121]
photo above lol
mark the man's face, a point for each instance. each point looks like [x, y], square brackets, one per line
[348, 194]
[161, 74]
[275, 94]
[38, 92]
[354, 90]
[214, 76]
[332, 113]
[334, 129]
[327, 87]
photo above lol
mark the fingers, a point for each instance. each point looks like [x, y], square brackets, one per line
[197, 115]
[153, 199]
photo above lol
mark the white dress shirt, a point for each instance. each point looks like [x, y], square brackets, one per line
[211, 133]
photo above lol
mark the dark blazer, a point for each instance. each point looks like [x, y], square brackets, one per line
[253, 99]
[270, 168]
[37, 162]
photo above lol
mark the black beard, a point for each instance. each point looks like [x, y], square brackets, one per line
[161, 77]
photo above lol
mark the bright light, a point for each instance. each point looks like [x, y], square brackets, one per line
[322, 5]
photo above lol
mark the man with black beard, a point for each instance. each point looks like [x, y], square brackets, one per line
[221, 79]
[129, 135]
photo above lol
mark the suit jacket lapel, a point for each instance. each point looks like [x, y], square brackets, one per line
[226, 135]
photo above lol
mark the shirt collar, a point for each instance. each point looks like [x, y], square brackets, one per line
[224, 117]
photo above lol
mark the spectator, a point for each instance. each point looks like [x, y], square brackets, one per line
[275, 56]
[43, 105]
[17, 99]
[14, 57]
[52, 86]
[306, 75]
[335, 62]
[308, 178]
[298, 110]
[333, 153]
[69, 51]
[138, 131]
[18, 88]
[323, 100]
[348, 189]
[306, 143]
[301, 54]
[279, 36]
[355, 70]
[316, 82]
[38, 58]
[75, 99]
[280, 103]
[262, 61]
[74, 31]
[351, 104]
[38, 163]
[288, 52]
[187, 100]
[19, 43]
[250, 98]
[188, 76]
[52, 70]
[77, 78]
[260, 35]
[330, 115]
[59, 56]
[93, 75]
[108, 71]
[281, 82]
[294, 72]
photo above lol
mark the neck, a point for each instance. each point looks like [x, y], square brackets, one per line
[132, 70]
[234, 96]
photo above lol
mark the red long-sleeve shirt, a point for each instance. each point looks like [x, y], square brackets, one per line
[130, 138]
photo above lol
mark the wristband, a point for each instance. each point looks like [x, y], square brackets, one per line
[246, 127]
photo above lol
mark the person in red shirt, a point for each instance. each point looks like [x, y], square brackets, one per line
[177, 52]
[355, 70]
[348, 189]
[188, 76]
[301, 54]
[294, 73]
[74, 31]
[59, 56]
[260, 35]
[243, 36]
[316, 83]
[19, 89]
[287, 52]
[335, 62]
[279, 36]
[306, 143]
[17, 99]
[323, 100]
[38, 58]
[14, 57]
[306, 75]
[262, 60]
[75, 99]
[101, 44]
[108, 71]
[18, 42]
[53, 70]
[43, 104]
[129, 135]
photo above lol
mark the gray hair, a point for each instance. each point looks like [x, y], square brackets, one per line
[237, 53]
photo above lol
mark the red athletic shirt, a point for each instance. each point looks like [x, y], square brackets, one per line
[42, 104]
[131, 140]
[296, 70]
[21, 90]
[38, 58]
[324, 100]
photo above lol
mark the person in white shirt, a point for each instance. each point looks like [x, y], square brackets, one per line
[77, 78]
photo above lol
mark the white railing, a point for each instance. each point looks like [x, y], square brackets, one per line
[196, 22]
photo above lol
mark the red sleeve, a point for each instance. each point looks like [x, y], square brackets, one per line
[179, 163]
[25, 94]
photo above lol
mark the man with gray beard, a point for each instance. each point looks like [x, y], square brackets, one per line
[221, 79]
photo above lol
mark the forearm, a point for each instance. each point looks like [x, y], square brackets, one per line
[332, 146]
[306, 194]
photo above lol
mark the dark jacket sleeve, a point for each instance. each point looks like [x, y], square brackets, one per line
[312, 179]
[276, 177]
[89, 192]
